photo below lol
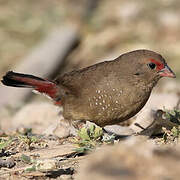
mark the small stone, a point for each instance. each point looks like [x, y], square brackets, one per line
[66, 177]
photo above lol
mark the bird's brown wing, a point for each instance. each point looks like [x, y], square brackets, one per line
[74, 82]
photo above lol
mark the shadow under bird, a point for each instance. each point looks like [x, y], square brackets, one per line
[105, 93]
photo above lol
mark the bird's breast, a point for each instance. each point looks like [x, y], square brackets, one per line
[116, 104]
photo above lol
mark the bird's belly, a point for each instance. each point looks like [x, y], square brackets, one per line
[116, 113]
[105, 109]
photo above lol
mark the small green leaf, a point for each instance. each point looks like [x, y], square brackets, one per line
[83, 134]
[92, 129]
[30, 169]
[34, 139]
[83, 149]
[4, 144]
[98, 132]
[175, 132]
[25, 158]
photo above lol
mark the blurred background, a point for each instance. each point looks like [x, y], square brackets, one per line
[105, 28]
[50, 37]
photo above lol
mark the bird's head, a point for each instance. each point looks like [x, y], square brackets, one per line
[158, 66]
[148, 65]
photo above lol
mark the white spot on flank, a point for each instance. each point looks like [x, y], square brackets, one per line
[96, 103]
[113, 89]
[98, 91]
[100, 103]
[103, 108]
[99, 97]
[116, 102]
[103, 101]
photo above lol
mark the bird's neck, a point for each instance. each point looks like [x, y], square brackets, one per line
[145, 85]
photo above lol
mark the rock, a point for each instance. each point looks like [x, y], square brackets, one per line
[135, 158]
[43, 118]
[45, 165]
[37, 116]
[65, 177]
[58, 128]
[9, 163]
[119, 130]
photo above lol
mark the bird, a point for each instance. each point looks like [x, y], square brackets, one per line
[105, 93]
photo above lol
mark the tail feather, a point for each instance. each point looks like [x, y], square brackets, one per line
[19, 80]
[29, 81]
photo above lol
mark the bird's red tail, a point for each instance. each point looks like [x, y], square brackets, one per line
[29, 81]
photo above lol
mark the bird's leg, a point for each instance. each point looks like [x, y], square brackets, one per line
[119, 130]
[61, 128]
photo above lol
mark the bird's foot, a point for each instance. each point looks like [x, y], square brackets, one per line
[62, 128]
[118, 130]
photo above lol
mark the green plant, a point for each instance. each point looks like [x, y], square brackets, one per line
[171, 136]
[173, 115]
[26, 159]
[91, 137]
[4, 143]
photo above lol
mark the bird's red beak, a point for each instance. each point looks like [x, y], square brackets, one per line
[166, 72]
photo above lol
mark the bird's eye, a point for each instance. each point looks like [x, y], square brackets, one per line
[152, 65]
